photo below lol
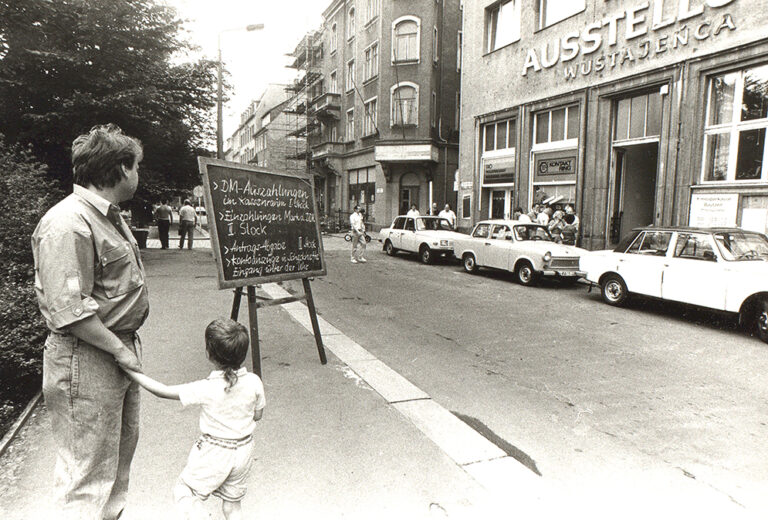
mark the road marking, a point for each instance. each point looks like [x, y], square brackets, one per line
[480, 458]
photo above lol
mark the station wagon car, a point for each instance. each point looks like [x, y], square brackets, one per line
[525, 249]
[426, 236]
[719, 268]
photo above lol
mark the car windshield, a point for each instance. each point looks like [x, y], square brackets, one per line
[742, 246]
[532, 233]
[432, 224]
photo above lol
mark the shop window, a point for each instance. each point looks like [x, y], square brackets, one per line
[554, 11]
[499, 135]
[502, 24]
[371, 61]
[638, 117]
[369, 121]
[557, 125]
[405, 104]
[362, 191]
[405, 35]
[736, 123]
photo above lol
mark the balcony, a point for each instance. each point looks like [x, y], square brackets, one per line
[327, 149]
[327, 106]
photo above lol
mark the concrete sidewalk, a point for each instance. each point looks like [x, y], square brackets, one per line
[329, 446]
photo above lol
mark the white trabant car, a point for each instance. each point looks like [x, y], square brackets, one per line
[526, 249]
[719, 268]
[426, 236]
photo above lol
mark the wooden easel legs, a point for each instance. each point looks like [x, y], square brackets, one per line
[254, 302]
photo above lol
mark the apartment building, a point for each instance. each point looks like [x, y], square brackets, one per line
[634, 112]
[241, 145]
[382, 82]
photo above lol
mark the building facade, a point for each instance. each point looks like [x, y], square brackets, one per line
[382, 83]
[241, 145]
[634, 112]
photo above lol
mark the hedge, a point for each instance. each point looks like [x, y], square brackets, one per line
[26, 193]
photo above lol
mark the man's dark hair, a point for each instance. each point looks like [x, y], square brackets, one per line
[98, 156]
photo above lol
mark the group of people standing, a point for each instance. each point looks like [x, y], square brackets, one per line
[563, 224]
[187, 222]
[446, 213]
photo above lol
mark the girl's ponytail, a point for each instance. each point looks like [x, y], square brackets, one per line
[230, 376]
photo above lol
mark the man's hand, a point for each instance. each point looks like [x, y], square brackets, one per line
[127, 359]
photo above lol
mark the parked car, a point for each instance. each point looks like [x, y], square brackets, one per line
[426, 236]
[526, 249]
[718, 268]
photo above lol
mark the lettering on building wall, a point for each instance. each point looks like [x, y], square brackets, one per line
[646, 34]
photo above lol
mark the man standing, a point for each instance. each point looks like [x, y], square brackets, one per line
[89, 281]
[357, 227]
[413, 212]
[164, 217]
[187, 222]
[448, 215]
[433, 211]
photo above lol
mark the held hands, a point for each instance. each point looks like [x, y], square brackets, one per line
[127, 359]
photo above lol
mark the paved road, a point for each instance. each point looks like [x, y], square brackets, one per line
[651, 403]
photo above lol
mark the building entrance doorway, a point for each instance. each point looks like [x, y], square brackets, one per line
[500, 203]
[634, 174]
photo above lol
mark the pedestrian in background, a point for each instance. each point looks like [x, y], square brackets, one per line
[413, 212]
[357, 228]
[89, 281]
[187, 222]
[434, 211]
[231, 400]
[164, 219]
[448, 215]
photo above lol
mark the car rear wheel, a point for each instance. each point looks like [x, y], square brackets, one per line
[389, 248]
[762, 320]
[525, 274]
[614, 290]
[425, 255]
[470, 263]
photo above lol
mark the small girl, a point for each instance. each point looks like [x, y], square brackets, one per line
[231, 400]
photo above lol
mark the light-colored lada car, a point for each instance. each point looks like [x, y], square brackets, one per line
[426, 236]
[719, 268]
[526, 249]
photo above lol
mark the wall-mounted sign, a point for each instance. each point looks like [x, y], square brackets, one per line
[379, 190]
[466, 185]
[499, 170]
[556, 166]
[713, 209]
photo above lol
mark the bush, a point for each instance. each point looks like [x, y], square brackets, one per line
[25, 195]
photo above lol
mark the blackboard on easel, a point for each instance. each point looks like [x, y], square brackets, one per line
[264, 228]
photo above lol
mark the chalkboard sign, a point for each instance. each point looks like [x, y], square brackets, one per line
[263, 223]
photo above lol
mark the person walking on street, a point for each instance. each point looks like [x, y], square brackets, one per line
[164, 218]
[90, 286]
[448, 215]
[187, 223]
[231, 400]
[357, 227]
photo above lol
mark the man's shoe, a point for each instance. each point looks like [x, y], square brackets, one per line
[354, 261]
[363, 260]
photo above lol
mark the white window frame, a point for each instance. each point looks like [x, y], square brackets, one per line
[511, 138]
[392, 91]
[489, 15]
[372, 10]
[433, 109]
[459, 49]
[542, 5]
[555, 145]
[397, 22]
[349, 79]
[351, 23]
[371, 66]
[334, 37]
[370, 124]
[733, 129]
[334, 82]
[435, 47]
[349, 129]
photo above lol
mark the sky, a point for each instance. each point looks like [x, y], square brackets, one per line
[253, 59]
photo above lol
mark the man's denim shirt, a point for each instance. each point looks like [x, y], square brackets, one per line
[85, 266]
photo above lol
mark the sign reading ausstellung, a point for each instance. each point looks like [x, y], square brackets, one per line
[263, 223]
[650, 21]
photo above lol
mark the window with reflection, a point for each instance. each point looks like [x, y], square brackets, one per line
[502, 24]
[554, 11]
[736, 124]
[638, 117]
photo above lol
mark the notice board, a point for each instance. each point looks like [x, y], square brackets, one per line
[263, 223]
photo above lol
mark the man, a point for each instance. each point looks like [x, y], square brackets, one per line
[448, 215]
[187, 222]
[164, 217]
[357, 227]
[433, 211]
[413, 212]
[89, 281]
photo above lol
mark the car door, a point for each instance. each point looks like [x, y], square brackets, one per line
[396, 231]
[408, 236]
[498, 250]
[482, 234]
[642, 265]
[694, 273]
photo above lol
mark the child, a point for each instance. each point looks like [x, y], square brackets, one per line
[231, 399]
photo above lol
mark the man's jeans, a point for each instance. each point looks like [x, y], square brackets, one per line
[162, 229]
[358, 245]
[186, 227]
[94, 410]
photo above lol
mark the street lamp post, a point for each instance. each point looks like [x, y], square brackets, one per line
[220, 93]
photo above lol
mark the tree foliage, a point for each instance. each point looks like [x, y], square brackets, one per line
[66, 65]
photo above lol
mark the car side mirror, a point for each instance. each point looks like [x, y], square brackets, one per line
[709, 255]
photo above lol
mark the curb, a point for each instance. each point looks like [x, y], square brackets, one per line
[11, 434]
